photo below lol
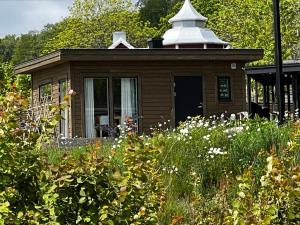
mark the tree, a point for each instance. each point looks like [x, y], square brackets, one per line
[26, 48]
[249, 24]
[153, 10]
[7, 45]
[8, 79]
[92, 23]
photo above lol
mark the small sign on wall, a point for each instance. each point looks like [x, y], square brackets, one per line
[224, 90]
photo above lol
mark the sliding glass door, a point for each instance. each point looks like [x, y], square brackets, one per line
[96, 107]
[119, 101]
[125, 100]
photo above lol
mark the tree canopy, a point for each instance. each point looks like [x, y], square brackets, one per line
[92, 23]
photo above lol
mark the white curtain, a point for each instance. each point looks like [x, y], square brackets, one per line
[66, 123]
[128, 98]
[89, 108]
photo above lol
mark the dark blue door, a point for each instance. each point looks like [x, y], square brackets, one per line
[188, 97]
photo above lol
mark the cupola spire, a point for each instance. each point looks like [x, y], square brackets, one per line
[189, 31]
[188, 13]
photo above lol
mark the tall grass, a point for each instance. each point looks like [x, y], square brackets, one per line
[201, 153]
[199, 156]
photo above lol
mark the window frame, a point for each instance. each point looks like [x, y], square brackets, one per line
[228, 81]
[40, 89]
[110, 96]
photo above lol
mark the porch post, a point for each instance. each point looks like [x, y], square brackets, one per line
[297, 90]
[288, 90]
[278, 54]
[268, 96]
[256, 92]
[265, 91]
[249, 92]
[273, 99]
[294, 92]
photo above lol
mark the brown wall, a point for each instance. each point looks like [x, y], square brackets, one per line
[155, 87]
[51, 75]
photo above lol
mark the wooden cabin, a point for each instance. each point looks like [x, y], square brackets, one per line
[187, 73]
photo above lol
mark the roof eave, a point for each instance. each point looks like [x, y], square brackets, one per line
[41, 62]
[138, 55]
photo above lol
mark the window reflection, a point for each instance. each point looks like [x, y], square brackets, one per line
[125, 100]
[45, 92]
[124, 103]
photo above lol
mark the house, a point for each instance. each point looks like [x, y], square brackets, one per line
[189, 72]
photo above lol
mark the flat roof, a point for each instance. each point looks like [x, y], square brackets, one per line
[141, 55]
[267, 74]
[268, 69]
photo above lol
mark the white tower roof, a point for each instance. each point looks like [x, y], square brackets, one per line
[188, 27]
[188, 12]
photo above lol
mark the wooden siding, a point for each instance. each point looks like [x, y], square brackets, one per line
[52, 76]
[155, 80]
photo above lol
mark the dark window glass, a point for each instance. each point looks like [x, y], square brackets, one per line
[45, 92]
[224, 90]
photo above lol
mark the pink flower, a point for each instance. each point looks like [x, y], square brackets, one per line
[72, 92]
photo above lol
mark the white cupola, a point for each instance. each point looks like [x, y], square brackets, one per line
[188, 31]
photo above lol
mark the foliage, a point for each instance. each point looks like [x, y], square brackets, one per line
[92, 23]
[84, 190]
[278, 198]
[249, 24]
[153, 10]
[201, 159]
[8, 79]
[7, 45]
[182, 176]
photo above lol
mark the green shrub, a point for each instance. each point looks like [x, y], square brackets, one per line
[89, 190]
[85, 189]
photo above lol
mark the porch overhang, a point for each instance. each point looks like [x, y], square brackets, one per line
[266, 75]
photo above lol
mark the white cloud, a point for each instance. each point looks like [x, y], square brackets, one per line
[21, 16]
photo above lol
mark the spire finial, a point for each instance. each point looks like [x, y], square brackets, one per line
[188, 12]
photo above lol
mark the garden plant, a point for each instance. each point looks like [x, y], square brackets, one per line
[206, 171]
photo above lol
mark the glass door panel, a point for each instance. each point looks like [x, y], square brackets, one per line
[96, 107]
[125, 102]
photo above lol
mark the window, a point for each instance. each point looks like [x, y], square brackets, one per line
[124, 100]
[106, 108]
[45, 92]
[224, 90]
[64, 113]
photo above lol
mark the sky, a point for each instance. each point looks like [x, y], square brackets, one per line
[21, 16]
